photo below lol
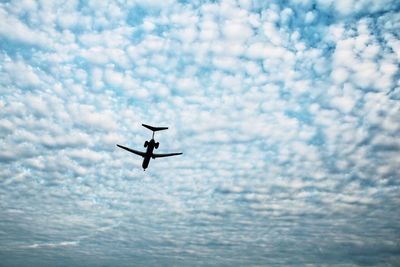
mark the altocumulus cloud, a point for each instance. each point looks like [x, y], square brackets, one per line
[287, 112]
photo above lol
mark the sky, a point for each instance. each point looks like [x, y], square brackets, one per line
[287, 114]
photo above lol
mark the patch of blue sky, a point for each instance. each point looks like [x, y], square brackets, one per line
[17, 49]
[136, 15]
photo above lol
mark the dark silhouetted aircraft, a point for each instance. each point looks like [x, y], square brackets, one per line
[150, 147]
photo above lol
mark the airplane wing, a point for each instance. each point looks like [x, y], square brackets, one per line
[165, 155]
[140, 153]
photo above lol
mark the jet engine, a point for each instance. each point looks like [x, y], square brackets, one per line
[146, 144]
[156, 145]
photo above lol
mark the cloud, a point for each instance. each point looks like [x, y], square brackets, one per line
[287, 115]
[51, 245]
[15, 30]
[237, 30]
[14, 71]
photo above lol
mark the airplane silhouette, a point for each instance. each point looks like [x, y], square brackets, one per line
[150, 147]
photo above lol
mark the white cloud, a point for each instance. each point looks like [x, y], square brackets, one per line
[237, 30]
[114, 78]
[354, 7]
[276, 107]
[96, 55]
[344, 104]
[13, 29]
[340, 75]
[85, 155]
[226, 63]
[310, 16]
[37, 104]
[21, 74]
[208, 30]
[272, 34]
[68, 21]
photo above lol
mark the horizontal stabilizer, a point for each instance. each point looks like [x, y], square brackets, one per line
[154, 129]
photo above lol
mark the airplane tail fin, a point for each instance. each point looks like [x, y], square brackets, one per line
[154, 129]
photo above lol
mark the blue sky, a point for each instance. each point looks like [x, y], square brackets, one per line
[287, 113]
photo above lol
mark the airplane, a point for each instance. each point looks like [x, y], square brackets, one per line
[150, 147]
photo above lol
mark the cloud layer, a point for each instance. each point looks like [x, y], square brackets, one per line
[288, 116]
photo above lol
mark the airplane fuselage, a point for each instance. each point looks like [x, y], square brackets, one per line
[149, 153]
